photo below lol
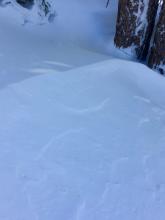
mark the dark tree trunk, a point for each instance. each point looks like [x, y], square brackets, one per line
[142, 52]
[135, 24]
[157, 54]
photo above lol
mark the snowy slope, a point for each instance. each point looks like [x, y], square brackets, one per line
[84, 144]
[27, 50]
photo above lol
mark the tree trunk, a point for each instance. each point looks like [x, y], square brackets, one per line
[157, 54]
[135, 24]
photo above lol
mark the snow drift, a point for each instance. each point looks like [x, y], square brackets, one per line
[84, 144]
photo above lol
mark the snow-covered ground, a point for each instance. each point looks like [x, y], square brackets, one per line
[82, 134]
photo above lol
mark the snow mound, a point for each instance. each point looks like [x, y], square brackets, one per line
[83, 144]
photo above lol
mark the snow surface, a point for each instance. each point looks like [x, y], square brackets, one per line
[82, 134]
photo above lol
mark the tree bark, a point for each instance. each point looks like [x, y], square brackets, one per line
[135, 22]
[157, 54]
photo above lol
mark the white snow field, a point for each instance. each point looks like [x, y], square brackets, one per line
[82, 134]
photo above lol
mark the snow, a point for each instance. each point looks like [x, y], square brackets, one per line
[82, 132]
[84, 144]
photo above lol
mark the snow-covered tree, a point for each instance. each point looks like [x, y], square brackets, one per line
[135, 25]
[38, 10]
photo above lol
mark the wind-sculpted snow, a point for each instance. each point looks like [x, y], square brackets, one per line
[87, 143]
[27, 51]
